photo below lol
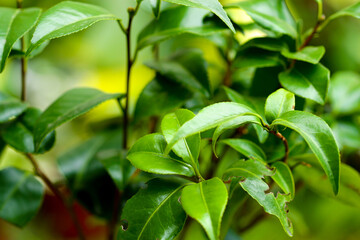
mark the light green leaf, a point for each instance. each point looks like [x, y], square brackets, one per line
[252, 173]
[211, 5]
[206, 202]
[246, 148]
[21, 196]
[70, 105]
[284, 178]
[147, 154]
[320, 139]
[278, 103]
[154, 212]
[155, 5]
[210, 117]
[307, 81]
[66, 18]
[347, 134]
[352, 11]
[14, 24]
[308, 54]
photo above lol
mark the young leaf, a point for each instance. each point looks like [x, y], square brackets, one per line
[307, 81]
[66, 18]
[21, 196]
[246, 148]
[278, 103]
[210, 117]
[253, 171]
[212, 5]
[15, 24]
[147, 154]
[187, 148]
[155, 5]
[320, 139]
[206, 202]
[308, 54]
[154, 212]
[70, 105]
[284, 178]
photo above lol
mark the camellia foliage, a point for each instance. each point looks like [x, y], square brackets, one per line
[264, 112]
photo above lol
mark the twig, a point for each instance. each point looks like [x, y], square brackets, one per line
[285, 142]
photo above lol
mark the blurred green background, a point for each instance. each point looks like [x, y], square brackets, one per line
[96, 58]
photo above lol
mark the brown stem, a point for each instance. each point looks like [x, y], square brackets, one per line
[23, 61]
[66, 201]
[285, 142]
[114, 219]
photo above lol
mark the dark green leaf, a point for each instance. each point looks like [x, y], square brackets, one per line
[21, 196]
[308, 54]
[206, 202]
[246, 148]
[278, 103]
[14, 24]
[147, 154]
[253, 172]
[266, 43]
[67, 107]
[10, 109]
[154, 212]
[66, 18]
[320, 139]
[259, 58]
[307, 81]
[155, 5]
[212, 5]
[284, 178]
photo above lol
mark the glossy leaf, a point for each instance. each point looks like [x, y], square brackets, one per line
[308, 54]
[147, 154]
[10, 108]
[320, 139]
[66, 18]
[259, 58]
[284, 178]
[15, 23]
[307, 81]
[21, 196]
[211, 5]
[271, 15]
[206, 202]
[70, 105]
[277, 103]
[210, 117]
[155, 5]
[252, 172]
[246, 148]
[187, 148]
[154, 212]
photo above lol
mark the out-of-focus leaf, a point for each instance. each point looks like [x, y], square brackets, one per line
[14, 24]
[308, 54]
[211, 5]
[252, 173]
[352, 11]
[284, 178]
[21, 196]
[320, 139]
[147, 154]
[277, 103]
[70, 105]
[66, 18]
[246, 148]
[266, 43]
[155, 5]
[206, 202]
[154, 212]
[347, 134]
[259, 58]
[307, 81]
[10, 108]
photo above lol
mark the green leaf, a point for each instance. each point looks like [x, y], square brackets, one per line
[246, 148]
[21, 196]
[155, 5]
[174, 22]
[187, 148]
[10, 108]
[277, 103]
[352, 11]
[345, 98]
[320, 139]
[154, 212]
[259, 58]
[66, 18]
[210, 117]
[253, 172]
[308, 54]
[206, 202]
[211, 5]
[14, 24]
[307, 81]
[70, 105]
[160, 96]
[347, 134]
[271, 15]
[147, 154]
[284, 178]
[266, 43]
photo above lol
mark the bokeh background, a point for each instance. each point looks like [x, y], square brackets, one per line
[96, 58]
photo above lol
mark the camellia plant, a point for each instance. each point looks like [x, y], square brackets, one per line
[209, 148]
